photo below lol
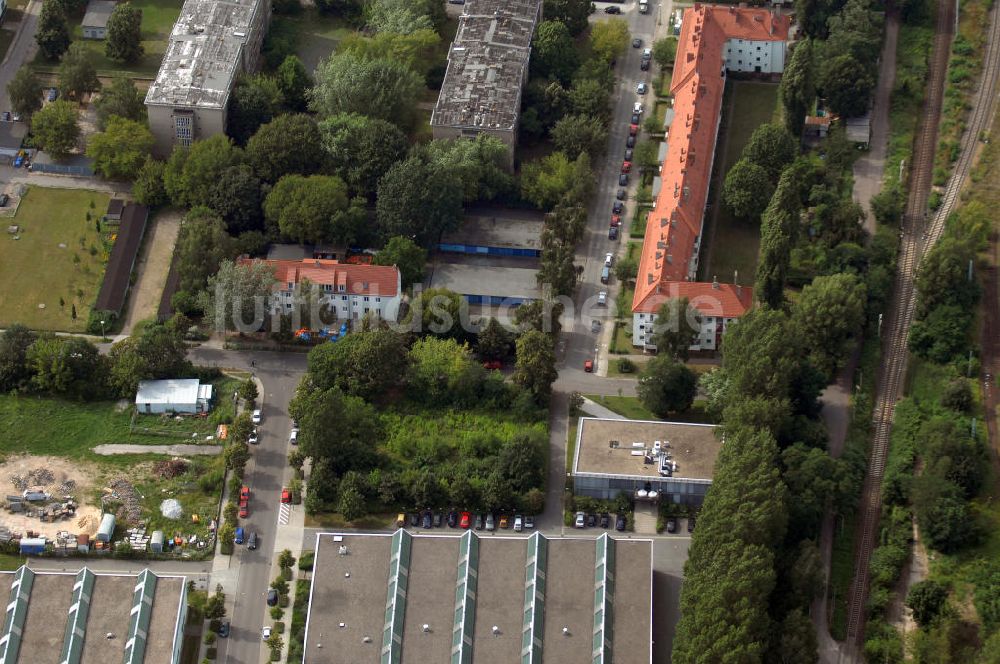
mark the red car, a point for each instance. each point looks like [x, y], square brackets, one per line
[465, 521]
[616, 220]
[588, 366]
[633, 129]
[493, 365]
[286, 495]
[244, 493]
[626, 166]
[244, 509]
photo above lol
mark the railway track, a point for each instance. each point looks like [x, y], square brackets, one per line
[917, 237]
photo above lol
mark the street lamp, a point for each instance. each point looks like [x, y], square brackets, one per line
[102, 330]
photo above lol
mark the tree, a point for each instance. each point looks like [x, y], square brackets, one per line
[626, 269]
[121, 149]
[665, 51]
[25, 92]
[943, 277]
[957, 395]
[380, 88]
[121, 98]
[337, 430]
[313, 209]
[522, 461]
[238, 295]
[646, 156]
[847, 85]
[478, 166]
[494, 342]
[677, 325]
[66, 366]
[15, 371]
[192, 174]
[248, 390]
[829, 313]
[416, 49]
[798, 86]
[945, 520]
[798, 638]
[557, 270]
[52, 34]
[553, 53]
[573, 13]
[294, 82]
[609, 39]
[418, 201]
[154, 353]
[289, 144]
[237, 198]
[237, 455]
[366, 364]
[361, 149]
[942, 334]
[772, 148]
[405, 254]
[215, 607]
[254, 102]
[77, 74]
[667, 386]
[148, 186]
[350, 501]
[555, 179]
[589, 97]
[55, 128]
[398, 16]
[124, 37]
[436, 311]
[536, 364]
[574, 134]
[747, 189]
[541, 315]
[443, 372]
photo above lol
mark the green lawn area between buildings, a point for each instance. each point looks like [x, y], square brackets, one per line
[736, 242]
[35, 270]
[315, 35]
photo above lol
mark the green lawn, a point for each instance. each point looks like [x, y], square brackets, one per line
[36, 270]
[735, 242]
[315, 35]
[629, 407]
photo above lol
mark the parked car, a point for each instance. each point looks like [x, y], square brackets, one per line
[635, 119]
[53, 94]
[272, 597]
[613, 233]
[4, 199]
[605, 520]
[254, 438]
[633, 129]
[628, 154]
[465, 521]
[293, 437]
[426, 519]
[644, 65]
[504, 521]
[626, 166]
[414, 519]
[240, 537]
[637, 108]
[623, 179]
[252, 542]
[630, 142]
[621, 195]
[400, 519]
[581, 520]
[255, 418]
[691, 520]
[602, 299]
[490, 523]
[224, 629]
[640, 89]
[529, 522]
[265, 633]
[17, 117]
[244, 492]
[591, 520]
[452, 519]
[620, 523]
[595, 326]
[671, 525]
[617, 207]
[244, 509]
[478, 522]
[438, 518]
[286, 497]
[616, 220]
[609, 258]
[518, 523]
[588, 366]
[647, 54]
[612, 10]
[492, 365]
[636, 43]
[6, 116]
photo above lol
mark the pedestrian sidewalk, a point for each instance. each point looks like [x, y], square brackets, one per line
[291, 522]
[595, 409]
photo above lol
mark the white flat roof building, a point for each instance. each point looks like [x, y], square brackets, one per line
[184, 395]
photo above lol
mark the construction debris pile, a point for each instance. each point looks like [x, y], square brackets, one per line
[170, 469]
[121, 490]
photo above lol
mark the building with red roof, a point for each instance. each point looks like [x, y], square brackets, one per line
[713, 39]
[349, 291]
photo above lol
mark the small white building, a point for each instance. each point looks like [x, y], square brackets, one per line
[107, 529]
[95, 21]
[184, 395]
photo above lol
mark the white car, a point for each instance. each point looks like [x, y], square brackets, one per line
[608, 259]
[637, 109]
[255, 418]
[581, 520]
[293, 437]
[640, 89]
[265, 634]
[254, 438]
[602, 299]
[518, 523]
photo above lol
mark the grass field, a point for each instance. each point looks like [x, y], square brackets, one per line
[734, 242]
[158, 17]
[629, 407]
[35, 270]
[315, 35]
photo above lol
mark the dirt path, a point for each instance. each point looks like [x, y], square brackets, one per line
[916, 570]
[173, 450]
[152, 267]
[869, 169]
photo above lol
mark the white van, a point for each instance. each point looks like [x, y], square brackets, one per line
[643, 7]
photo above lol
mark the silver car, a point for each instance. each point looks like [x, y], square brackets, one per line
[490, 523]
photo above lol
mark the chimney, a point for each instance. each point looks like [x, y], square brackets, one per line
[715, 282]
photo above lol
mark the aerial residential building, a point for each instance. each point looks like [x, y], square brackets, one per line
[95, 21]
[348, 291]
[177, 395]
[212, 43]
[713, 39]
[487, 71]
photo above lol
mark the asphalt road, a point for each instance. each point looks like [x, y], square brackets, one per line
[21, 50]
[279, 373]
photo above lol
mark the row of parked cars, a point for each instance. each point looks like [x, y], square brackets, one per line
[584, 520]
[465, 520]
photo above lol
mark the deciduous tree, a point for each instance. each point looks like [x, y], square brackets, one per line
[556, 179]
[609, 39]
[829, 313]
[67, 366]
[747, 189]
[405, 254]
[124, 37]
[574, 134]
[380, 88]
[366, 364]
[313, 209]
[55, 128]
[121, 149]
[536, 364]
[664, 51]
[553, 53]
[847, 85]
[443, 372]
[289, 144]
[677, 326]
[416, 49]
[202, 245]
[52, 34]
[25, 92]
[77, 74]
[798, 86]
[419, 201]
[361, 149]
[15, 371]
[237, 198]
[772, 148]
[148, 187]
[192, 174]
[667, 386]
[254, 102]
[336, 429]
[121, 98]
[238, 295]
[573, 13]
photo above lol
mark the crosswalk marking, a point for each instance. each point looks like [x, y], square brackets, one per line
[284, 511]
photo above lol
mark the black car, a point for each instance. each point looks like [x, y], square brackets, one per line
[620, 523]
[636, 43]
[452, 519]
[628, 154]
[690, 524]
[644, 65]
[4, 199]
[437, 519]
[414, 519]
[224, 629]
[621, 195]
[425, 520]
[605, 520]
[630, 142]
[617, 207]
[613, 233]
[479, 522]
[252, 542]
[635, 118]
[623, 180]
[671, 525]
[272, 597]
[612, 10]
[591, 520]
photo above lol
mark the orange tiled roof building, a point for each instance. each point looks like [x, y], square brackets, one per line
[712, 41]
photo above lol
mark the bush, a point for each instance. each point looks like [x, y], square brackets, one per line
[209, 638]
[279, 627]
[277, 613]
[283, 601]
[306, 560]
[626, 365]
[211, 653]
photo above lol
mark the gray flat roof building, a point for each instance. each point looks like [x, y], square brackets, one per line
[68, 617]
[212, 42]
[487, 284]
[674, 459]
[466, 599]
[95, 21]
[496, 232]
[487, 70]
